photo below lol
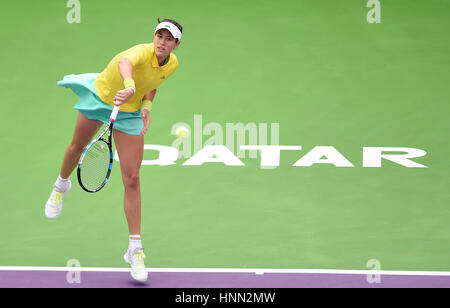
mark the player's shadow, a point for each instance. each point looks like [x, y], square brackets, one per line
[136, 284]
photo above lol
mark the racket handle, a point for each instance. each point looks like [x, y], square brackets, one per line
[114, 113]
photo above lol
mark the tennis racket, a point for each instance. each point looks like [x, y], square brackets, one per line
[95, 165]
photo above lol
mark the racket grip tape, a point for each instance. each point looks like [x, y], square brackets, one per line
[114, 113]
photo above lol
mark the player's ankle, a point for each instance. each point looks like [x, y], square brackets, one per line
[134, 242]
[61, 184]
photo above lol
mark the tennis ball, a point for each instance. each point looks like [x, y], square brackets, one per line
[182, 132]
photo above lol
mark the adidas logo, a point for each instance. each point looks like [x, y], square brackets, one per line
[163, 77]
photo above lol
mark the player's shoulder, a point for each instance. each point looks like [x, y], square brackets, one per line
[144, 46]
[141, 48]
[139, 53]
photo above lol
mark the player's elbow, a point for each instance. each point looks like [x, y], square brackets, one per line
[125, 61]
[125, 66]
[150, 95]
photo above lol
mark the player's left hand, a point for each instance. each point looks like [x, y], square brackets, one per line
[146, 119]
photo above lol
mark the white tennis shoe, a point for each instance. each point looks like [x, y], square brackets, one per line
[54, 204]
[136, 260]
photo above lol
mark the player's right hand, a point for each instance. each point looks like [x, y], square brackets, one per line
[122, 96]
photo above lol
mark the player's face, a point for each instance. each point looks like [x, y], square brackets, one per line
[164, 43]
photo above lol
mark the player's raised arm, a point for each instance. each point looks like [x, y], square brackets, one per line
[126, 71]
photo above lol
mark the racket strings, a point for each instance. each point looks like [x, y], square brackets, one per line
[95, 165]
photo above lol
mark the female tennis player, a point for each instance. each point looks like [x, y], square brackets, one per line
[129, 80]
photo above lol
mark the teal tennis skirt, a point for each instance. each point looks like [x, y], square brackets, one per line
[94, 108]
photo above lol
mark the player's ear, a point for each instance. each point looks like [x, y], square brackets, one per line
[177, 44]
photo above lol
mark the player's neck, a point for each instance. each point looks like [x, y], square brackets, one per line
[162, 60]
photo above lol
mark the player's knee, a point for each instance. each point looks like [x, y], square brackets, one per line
[131, 180]
[76, 148]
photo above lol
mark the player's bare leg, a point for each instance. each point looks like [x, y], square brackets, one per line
[85, 130]
[131, 150]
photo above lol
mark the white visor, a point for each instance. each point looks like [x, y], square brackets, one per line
[176, 33]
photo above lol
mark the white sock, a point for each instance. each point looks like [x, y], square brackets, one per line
[61, 184]
[133, 244]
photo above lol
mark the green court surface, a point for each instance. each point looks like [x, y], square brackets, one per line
[319, 69]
